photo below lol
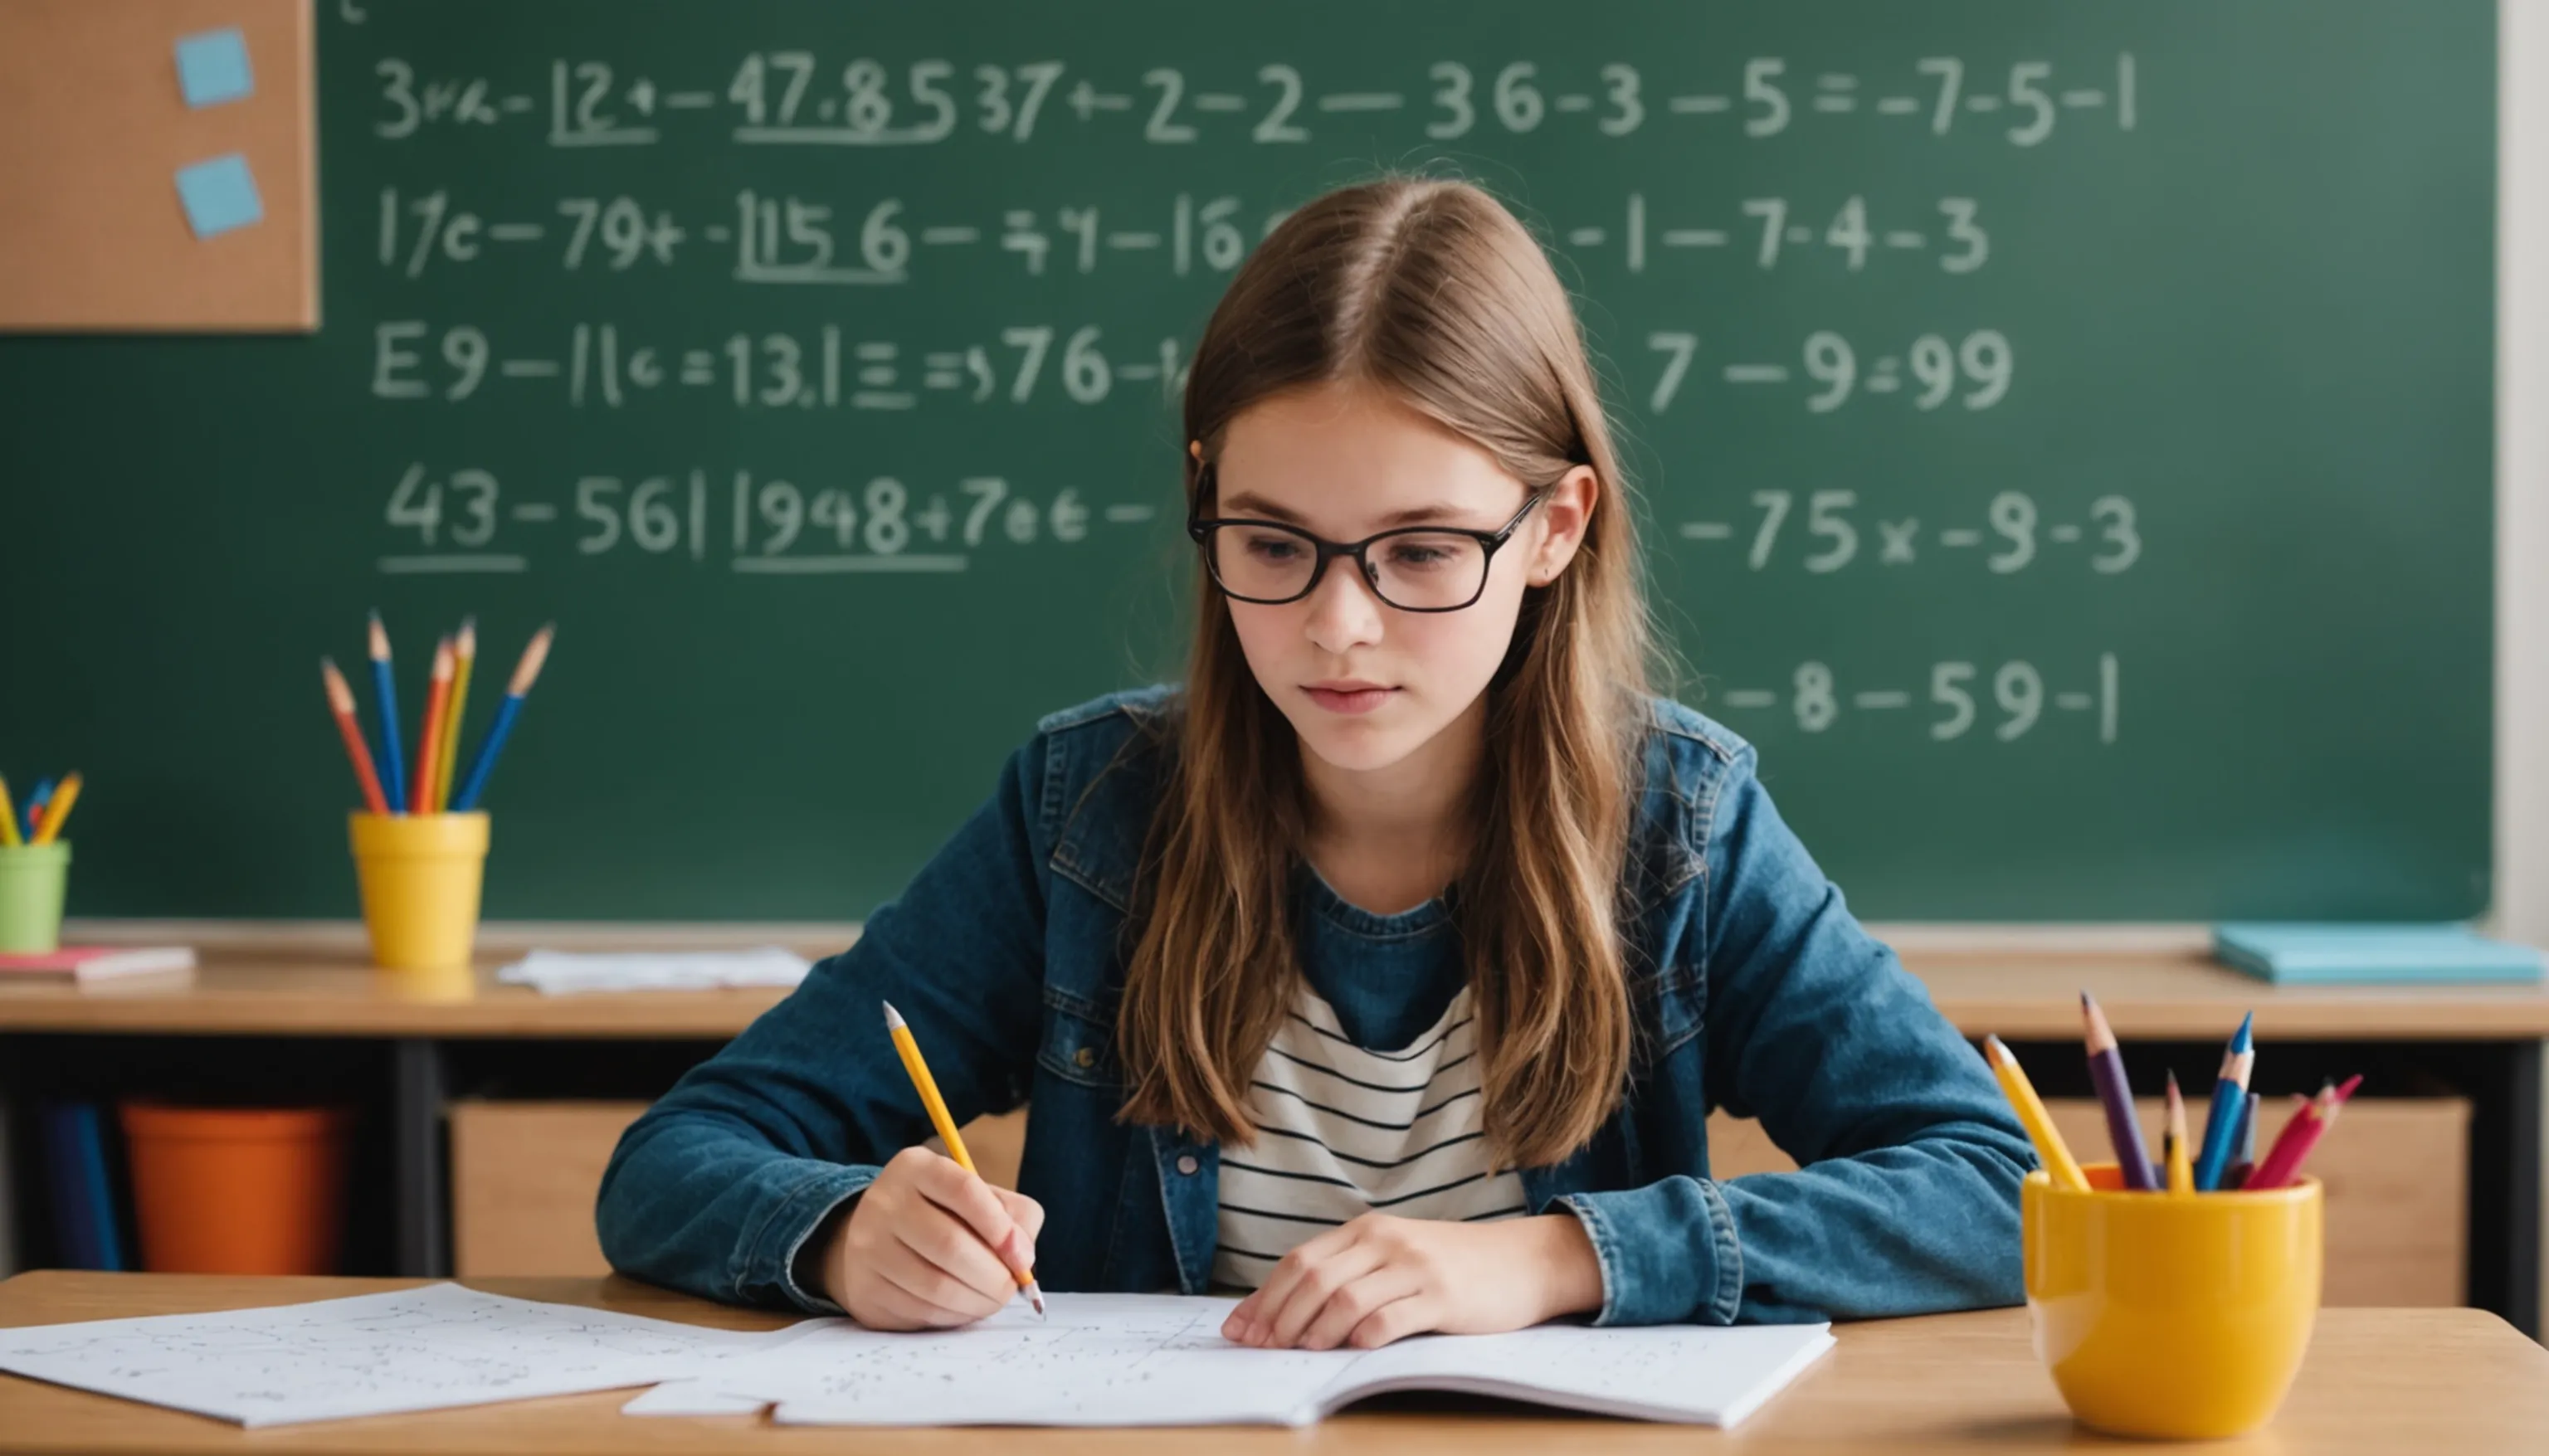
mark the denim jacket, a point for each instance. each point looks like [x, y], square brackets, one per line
[1754, 990]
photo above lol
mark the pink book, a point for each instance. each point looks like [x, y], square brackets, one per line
[99, 962]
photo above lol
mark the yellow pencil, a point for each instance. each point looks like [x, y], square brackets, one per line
[8, 817]
[59, 810]
[946, 1126]
[464, 656]
[2050, 1149]
[2181, 1163]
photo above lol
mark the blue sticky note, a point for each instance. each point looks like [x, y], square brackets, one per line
[211, 67]
[220, 195]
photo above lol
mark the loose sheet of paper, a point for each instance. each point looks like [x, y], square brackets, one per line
[212, 67]
[568, 972]
[219, 196]
[414, 1349]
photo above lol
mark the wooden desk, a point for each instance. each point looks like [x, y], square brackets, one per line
[2376, 1381]
[2486, 1041]
[2021, 996]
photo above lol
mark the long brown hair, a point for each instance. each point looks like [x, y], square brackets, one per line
[1431, 290]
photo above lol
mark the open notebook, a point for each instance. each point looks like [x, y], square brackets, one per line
[1161, 1360]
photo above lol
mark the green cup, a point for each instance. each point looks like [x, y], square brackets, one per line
[32, 877]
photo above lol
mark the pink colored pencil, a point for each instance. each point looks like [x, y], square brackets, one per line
[340, 703]
[429, 743]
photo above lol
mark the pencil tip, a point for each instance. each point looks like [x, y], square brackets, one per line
[893, 1017]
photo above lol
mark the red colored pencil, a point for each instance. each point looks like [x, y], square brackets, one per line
[340, 703]
[2283, 1161]
[438, 701]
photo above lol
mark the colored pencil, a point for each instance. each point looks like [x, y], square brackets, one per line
[2229, 1094]
[2283, 1161]
[428, 738]
[385, 696]
[57, 809]
[525, 673]
[945, 1123]
[8, 818]
[341, 706]
[35, 802]
[2300, 1108]
[2243, 1162]
[464, 656]
[2107, 1074]
[2050, 1149]
[2172, 1144]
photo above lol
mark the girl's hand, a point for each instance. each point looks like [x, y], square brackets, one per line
[1380, 1278]
[918, 1250]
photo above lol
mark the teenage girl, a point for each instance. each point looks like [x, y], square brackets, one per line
[1387, 970]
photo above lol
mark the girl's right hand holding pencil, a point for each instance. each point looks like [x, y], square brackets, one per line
[927, 1245]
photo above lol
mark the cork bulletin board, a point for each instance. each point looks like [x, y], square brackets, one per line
[158, 167]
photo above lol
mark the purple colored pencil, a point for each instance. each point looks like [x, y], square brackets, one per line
[2107, 1074]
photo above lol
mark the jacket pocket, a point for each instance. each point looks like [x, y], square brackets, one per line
[1079, 1040]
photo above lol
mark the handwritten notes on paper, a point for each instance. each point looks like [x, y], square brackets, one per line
[1100, 1359]
[414, 1349]
[1116, 1359]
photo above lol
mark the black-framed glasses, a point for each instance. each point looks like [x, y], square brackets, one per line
[1411, 567]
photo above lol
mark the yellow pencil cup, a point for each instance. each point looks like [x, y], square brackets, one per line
[421, 876]
[32, 881]
[2180, 1316]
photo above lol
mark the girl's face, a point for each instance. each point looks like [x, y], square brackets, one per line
[1364, 684]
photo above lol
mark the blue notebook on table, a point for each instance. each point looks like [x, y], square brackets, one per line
[2297, 953]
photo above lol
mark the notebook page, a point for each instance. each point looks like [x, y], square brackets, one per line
[1708, 1375]
[410, 1349]
[1101, 1359]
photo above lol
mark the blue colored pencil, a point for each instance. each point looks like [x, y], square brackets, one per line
[35, 802]
[525, 673]
[2245, 1140]
[385, 691]
[2229, 1098]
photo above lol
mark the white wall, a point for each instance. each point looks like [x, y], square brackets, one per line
[2522, 477]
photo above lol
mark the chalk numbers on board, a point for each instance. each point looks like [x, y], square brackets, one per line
[799, 98]
[1972, 371]
[831, 234]
[758, 524]
[1999, 701]
[1824, 531]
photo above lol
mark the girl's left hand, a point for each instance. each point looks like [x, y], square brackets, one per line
[1380, 1278]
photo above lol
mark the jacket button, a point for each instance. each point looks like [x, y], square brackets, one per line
[1084, 1058]
[1186, 1162]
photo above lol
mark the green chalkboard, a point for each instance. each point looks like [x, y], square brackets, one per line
[2063, 430]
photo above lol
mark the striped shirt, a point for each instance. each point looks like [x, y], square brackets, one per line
[1344, 1131]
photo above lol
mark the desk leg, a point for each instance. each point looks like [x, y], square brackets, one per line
[416, 1113]
[2505, 1187]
